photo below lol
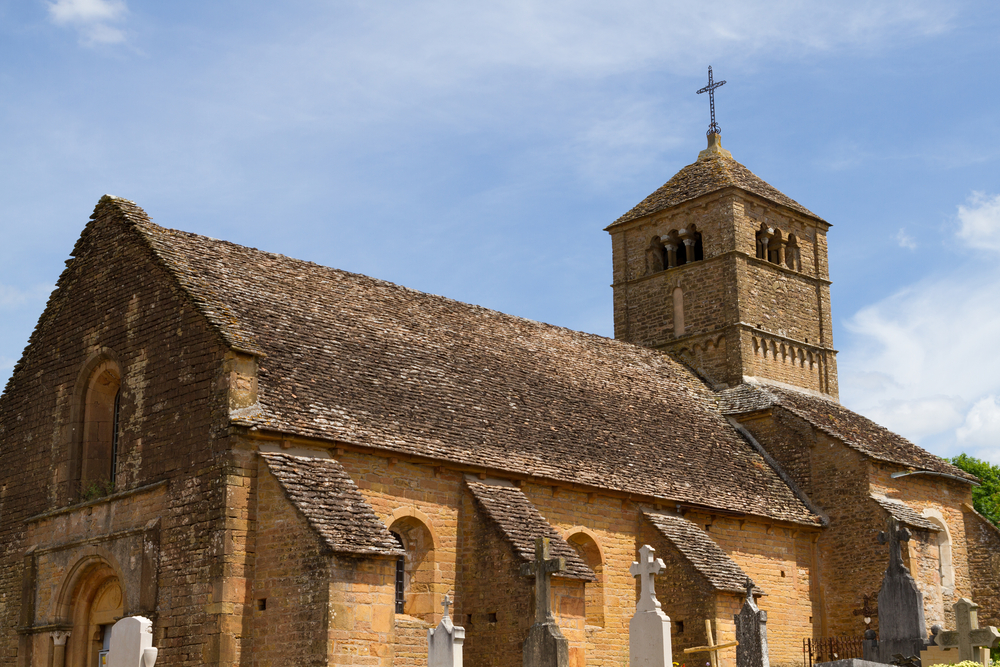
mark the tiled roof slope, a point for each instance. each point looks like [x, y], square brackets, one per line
[358, 360]
[332, 504]
[705, 176]
[904, 513]
[701, 551]
[521, 523]
[857, 432]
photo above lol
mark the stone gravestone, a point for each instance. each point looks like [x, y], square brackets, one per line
[649, 629]
[751, 633]
[545, 645]
[968, 637]
[902, 629]
[132, 643]
[444, 643]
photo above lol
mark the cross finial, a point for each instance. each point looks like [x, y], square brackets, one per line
[710, 89]
[895, 536]
[446, 602]
[645, 569]
[748, 585]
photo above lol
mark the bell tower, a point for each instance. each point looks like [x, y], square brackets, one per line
[727, 273]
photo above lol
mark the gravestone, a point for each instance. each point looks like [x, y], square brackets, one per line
[649, 629]
[711, 648]
[132, 643]
[545, 645]
[902, 630]
[968, 637]
[444, 643]
[751, 633]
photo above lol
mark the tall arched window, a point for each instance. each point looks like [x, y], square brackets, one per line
[418, 568]
[586, 546]
[101, 429]
[678, 311]
[946, 570]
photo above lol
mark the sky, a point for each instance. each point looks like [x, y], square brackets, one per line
[477, 151]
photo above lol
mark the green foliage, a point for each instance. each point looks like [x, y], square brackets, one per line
[97, 489]
[985, 498]
[964, 663]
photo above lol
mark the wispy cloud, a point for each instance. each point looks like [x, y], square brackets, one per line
[13, 297]
[922, 361]
[94, 19]
[905, 240]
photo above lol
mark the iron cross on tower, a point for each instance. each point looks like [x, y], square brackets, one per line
[710, 89]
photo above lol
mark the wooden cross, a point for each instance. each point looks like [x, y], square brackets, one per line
[646, 569]
[542, 568]
[712, 649]
[968, 635]
[895, 537]
[710, 89]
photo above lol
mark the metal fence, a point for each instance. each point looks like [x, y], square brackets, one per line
[826, 649]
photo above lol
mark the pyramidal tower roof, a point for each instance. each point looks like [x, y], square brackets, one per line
[715, 170]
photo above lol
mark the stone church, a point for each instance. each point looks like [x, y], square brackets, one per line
[281, 463]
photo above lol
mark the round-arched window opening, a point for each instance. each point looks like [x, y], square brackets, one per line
[101, 429]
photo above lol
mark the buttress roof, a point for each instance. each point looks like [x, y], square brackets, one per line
[714, 170]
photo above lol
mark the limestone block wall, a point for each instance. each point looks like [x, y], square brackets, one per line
[984, 566]
[114, 299]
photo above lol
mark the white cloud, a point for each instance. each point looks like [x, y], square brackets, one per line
[922, 362]
[980, 222]
[13, 297]
[92, 18]
[905, 240]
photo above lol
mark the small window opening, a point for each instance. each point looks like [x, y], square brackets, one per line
[493, 617]
[113, 474]
[468, 620]
[261, 604]
[782, 574]
[400, 576]
[680, 627]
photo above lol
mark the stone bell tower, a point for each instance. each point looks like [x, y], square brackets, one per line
[729, 274]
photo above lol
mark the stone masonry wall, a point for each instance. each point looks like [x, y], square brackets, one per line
[984, 566]
[114, 297]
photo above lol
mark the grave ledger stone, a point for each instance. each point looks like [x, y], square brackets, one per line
[444, 643]
[132, 643]
[751, 633]
[545, 645]
[649, 629]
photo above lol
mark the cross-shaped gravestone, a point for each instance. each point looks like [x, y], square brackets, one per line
[542, 569]
[967, 635]
[545, 645]
[900, 603]
[649, 629]
[751, 633]
[646, 568]
[444, 643]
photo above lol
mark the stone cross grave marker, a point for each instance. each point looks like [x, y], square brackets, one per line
[751, 633]
[444, 643]
[902, 630]
[649, 629]
[545, 645]
[712, 648]
[968, 635]
[132, 643]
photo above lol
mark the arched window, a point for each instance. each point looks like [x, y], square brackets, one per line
[655, 256]
[764, 235]
[415, 573]
[776, 247]
[793, 258]
[591, 555]
[100, 433]
[946, 570]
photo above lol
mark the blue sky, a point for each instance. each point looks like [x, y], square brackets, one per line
[477, 150]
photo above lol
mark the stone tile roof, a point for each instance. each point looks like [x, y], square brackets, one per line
[521, 523]
[332, 504]
[352, 359]
[904, 513]
[701, 551]
[857, 432]
[704, 177]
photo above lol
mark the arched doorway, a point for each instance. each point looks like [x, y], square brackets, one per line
[92, 601]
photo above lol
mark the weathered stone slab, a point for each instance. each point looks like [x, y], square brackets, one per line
[132, 643]
[751, 633]
[444, 643]
[849, 662]
[649, 629]
[902, 630]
